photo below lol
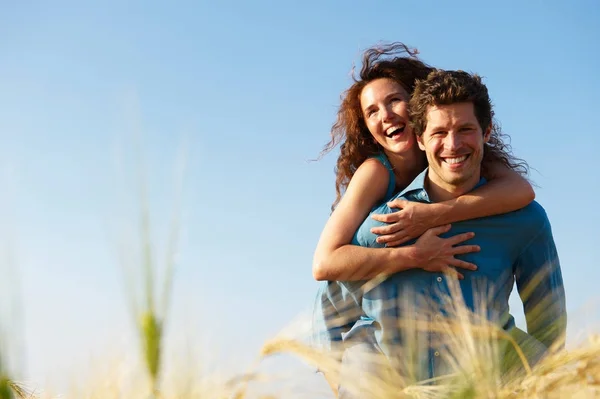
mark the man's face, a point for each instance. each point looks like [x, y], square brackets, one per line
[453, 142]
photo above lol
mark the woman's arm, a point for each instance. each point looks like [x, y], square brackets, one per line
[507, 191]
[336, 260]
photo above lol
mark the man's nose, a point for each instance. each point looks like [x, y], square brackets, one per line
[452, 141]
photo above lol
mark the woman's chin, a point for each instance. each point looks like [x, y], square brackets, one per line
[401, 148]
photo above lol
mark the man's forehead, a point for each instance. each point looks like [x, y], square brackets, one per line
[444, 114]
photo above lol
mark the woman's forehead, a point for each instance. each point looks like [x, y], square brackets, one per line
[379, 89]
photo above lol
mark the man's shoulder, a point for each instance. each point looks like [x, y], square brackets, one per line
[533, 217]
[526, 220]
[536, 212]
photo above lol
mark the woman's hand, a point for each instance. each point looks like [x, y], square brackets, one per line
[435, 254]
[412, 220]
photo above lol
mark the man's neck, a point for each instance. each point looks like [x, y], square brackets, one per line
[439, 191]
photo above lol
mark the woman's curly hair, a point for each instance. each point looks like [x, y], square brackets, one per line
[394, 61]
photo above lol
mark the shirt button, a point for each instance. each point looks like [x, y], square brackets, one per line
[439, 279]
[436, 354]
[438, 317]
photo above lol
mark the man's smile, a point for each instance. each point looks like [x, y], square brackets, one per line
[455, 161]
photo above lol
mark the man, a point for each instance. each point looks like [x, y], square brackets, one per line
[453, 119]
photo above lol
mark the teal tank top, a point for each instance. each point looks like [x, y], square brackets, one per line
[392, 183]
[390, 190]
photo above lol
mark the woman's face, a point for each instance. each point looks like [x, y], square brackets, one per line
[384, 105]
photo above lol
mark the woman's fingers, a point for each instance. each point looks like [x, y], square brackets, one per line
[457, 239]
[399, 237]
[386, 217]
[398, 203]
[465, 249]
[386, 230]
[462, 264]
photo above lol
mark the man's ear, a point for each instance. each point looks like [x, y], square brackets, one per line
[487, 134]
[420, 142]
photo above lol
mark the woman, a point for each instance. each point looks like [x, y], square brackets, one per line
[379, 156]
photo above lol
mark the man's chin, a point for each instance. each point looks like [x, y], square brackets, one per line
[460, 180]
[455, 178]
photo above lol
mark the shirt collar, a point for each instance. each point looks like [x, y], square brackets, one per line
[416, 189]
[417, 185]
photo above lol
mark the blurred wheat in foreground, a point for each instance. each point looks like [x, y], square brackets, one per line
[472, 352]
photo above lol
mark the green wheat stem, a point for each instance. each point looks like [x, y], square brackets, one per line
[5, 388]
[152, 308]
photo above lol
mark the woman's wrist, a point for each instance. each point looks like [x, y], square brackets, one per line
[406, 258]
[437, 214]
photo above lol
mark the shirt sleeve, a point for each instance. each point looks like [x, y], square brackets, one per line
[540, 285]
[335, 312]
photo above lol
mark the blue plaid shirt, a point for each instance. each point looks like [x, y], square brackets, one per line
[516, 246]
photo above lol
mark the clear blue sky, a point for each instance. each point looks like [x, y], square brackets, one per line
[254, 86]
